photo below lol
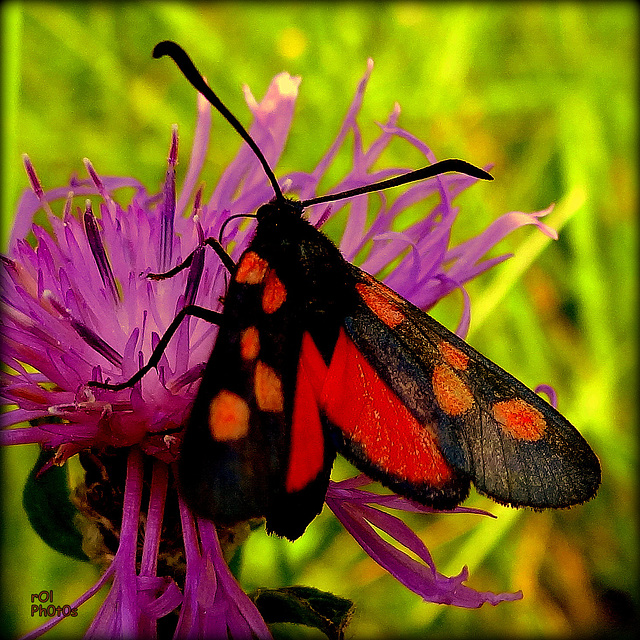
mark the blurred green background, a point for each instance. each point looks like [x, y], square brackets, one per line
[547, 92]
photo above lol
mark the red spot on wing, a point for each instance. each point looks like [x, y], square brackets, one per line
[228, 416]
[356, 400]
[382, 288]
[452, 394]
[306, 458]
[249, 343]
[518, 418]
[381, 304]
[274, 293]
[252, 268]
[456, 358]
[267, 387]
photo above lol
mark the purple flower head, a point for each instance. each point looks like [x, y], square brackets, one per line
[77, 307]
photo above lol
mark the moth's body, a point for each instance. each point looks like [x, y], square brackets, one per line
[315, 356]
[236, 479]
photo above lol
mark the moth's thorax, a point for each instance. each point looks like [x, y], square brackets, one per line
[304, 259]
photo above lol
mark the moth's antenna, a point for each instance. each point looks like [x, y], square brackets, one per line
[419, 174]
[180, 57]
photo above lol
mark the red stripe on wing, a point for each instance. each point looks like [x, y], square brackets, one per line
[359, 402]
[306, 457]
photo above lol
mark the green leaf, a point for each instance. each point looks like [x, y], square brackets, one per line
[305, 605]
[50, 510]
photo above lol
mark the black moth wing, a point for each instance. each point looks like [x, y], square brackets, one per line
[243, 474]
[473, 402]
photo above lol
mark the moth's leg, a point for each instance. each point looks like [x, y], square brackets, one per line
[211, 242]
[213, 317]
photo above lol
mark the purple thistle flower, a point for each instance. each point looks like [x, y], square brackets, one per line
[77, 307]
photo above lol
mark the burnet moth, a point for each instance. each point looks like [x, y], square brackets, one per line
[316, 357]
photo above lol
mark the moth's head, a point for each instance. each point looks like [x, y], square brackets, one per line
[279, 209]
